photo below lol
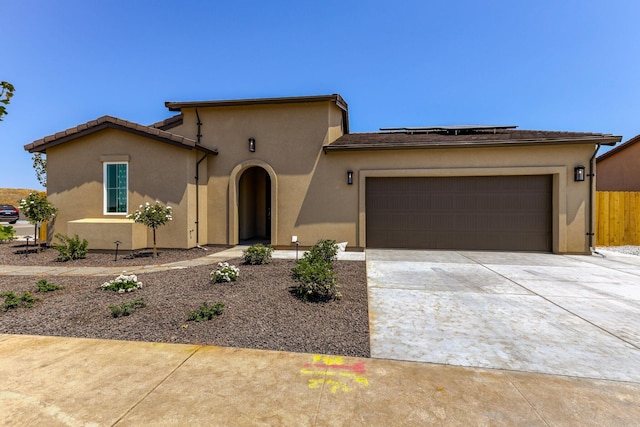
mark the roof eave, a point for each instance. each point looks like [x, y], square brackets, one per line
[178, 106]
[205, 150]
[53, 141]
[602, 140]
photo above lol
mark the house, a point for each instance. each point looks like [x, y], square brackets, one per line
[619, 168]
[274, 168]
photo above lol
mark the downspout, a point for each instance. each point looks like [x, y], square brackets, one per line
[198, 140]
[199, 135]
[591, 204]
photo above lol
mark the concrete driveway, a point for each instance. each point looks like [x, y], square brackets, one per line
[554, 314]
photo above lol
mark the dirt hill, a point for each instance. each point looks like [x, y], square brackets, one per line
[12, 196]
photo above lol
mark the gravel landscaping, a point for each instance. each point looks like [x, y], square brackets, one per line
[260, 309]
[628, 249]
[18, 253]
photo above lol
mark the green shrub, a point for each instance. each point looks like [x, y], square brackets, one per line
[70, 248]
[314, 273]
[316, 280]
[11, 300]
[257, 254]
[206, 312]
[7, 233]
[324, 250]
[44, 286]
[126, 308]
[225, 273]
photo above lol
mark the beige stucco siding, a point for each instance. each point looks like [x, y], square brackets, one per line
[308, 195]
[156, 171]
[288, 138]
[330, 204]
[311, 198]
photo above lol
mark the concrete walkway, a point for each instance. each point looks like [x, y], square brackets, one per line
[564, 315]
[214, 258]
[49, 381]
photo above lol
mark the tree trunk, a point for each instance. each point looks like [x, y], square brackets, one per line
[35, 237]
[155, 250]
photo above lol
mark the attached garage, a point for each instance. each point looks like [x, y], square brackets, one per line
[468, 212]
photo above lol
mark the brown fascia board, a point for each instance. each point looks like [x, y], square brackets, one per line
[594, 139]
[177, 106]
[619, 148]
[108, 122]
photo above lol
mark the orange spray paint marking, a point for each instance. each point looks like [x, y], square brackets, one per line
[357, 368]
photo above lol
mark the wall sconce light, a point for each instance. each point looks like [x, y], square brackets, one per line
[578, 173]
[349, 177]
[252, 144]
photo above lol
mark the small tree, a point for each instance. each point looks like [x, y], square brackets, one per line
[40, 166]
[37, 209]
[6, 92]
[153, 216]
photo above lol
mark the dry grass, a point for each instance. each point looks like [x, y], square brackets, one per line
[12, 196]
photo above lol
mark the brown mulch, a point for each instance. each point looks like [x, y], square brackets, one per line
[18, 253]
[261, 311]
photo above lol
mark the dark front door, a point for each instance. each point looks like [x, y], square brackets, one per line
[254, 204]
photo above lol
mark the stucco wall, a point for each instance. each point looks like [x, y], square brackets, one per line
[157, 171]
[311, 198]
[289, 138]
[620, 171]
[330, 205]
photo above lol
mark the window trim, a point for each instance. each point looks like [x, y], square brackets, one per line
[104, 188]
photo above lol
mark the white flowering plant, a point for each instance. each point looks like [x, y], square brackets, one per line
[153, 216]
[225, 273]
[123, 283]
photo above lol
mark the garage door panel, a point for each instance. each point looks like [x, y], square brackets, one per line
[498, 213]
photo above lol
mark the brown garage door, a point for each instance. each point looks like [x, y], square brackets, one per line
[481, 212]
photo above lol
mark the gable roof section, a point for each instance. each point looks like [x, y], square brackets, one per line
[619, 148]
[109, 122]
[169, 123]
[335, 98]
[478, 138]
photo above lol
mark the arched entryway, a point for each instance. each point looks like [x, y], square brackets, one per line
[254, 205]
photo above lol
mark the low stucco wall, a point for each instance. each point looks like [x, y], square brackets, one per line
[101, 233]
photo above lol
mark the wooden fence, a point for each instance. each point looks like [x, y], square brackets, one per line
[617, 218]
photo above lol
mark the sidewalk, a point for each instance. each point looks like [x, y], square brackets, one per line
[234, 252]
[79, 382]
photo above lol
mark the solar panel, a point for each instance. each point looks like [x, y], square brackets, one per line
[450, 129]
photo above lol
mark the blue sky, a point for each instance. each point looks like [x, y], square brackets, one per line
[546, 64]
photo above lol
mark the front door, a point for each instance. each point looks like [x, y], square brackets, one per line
[254, 205]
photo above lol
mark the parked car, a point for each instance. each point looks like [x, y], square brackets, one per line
[8, 213]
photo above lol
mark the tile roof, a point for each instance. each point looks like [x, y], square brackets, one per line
[447, 138]
[109, 122]
[169, 123]
[619, 148]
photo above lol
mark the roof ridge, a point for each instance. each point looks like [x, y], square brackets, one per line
[98, 124]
